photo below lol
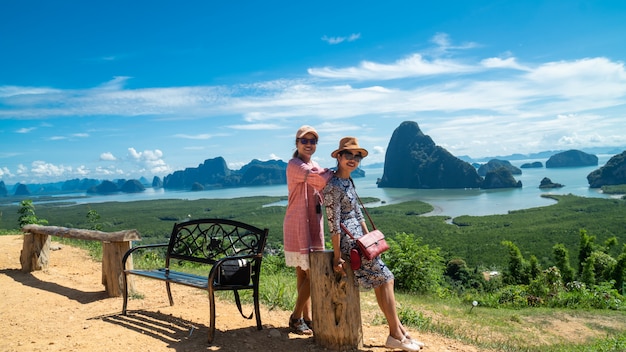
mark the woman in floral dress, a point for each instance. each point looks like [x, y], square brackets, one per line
[342, 208]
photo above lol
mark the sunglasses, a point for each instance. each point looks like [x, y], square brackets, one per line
[308, 141]
[350, 156]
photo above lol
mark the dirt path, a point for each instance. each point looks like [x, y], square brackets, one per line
[65, 308]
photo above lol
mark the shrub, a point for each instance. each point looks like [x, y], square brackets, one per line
[417, 268]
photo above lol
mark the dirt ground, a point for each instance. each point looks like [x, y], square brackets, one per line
[65, 308]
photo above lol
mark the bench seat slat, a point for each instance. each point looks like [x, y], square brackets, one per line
[174, 276]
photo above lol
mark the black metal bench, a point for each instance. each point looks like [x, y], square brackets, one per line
[214, 245]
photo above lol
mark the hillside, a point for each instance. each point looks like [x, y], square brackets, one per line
[80, 317]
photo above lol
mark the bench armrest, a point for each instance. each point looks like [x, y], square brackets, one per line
[145, 246]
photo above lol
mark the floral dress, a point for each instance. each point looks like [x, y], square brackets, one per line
[342, 207]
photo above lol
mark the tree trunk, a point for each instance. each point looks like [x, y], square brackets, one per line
[336, 305]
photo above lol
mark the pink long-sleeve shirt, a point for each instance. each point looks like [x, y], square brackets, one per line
[303, 229]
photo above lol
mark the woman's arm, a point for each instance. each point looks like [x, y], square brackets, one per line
[298, 171]
[332, 197]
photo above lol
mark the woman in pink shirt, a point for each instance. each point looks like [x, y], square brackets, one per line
[303, 229]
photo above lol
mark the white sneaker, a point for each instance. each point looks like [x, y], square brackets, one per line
[416, 342]
[405, 344]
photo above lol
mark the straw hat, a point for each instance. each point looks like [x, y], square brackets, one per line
[351, 144]
[302, 131]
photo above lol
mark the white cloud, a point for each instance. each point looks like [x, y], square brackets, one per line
[257, 127]
[510, 62]
[5, 172]
[202, 136]
[41, 168]
[378, 150]
[444, 44]
[107, 156]
[26, 130]
[151, 160]
[337, 40]
[414, 65]
[22, 170]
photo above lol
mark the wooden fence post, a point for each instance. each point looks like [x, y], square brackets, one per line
[336, 305]
[112, 271]
[35, 253]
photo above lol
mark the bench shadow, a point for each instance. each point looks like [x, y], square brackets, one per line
[76, 295]
[184, 335]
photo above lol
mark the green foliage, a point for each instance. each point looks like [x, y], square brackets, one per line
[27, 214]
[614, 189]
[561, 258]
[619, 272]
[585, 249]
[518, 272]
[417, 268]
[93, 219]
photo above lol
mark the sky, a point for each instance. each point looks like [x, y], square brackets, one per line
[125, 89]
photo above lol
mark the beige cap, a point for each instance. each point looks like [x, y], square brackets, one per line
[302, 131]
[349, 143]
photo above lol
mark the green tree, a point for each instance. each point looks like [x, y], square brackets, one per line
[585, 249]
[603, 265]
[620, 271]
[517, 273]
[588, 274]
[609, 244]
[27, 214]
[561, 258]
[93, 218]
[534, 267]
[416, 267]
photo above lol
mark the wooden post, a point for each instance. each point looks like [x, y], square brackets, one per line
[112, 271]
[336, 305]
[35, 253]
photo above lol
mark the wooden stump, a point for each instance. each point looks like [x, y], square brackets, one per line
[112, 271]
[336, 305]
[35, 253]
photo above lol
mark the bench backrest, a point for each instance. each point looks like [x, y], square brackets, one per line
[209, 240]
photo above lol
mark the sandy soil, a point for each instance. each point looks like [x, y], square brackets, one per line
[65, 308]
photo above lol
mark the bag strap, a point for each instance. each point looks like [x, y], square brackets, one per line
[363, 206]
[238, 301]
[343, 227]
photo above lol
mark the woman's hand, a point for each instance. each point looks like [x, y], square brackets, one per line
[338, 266]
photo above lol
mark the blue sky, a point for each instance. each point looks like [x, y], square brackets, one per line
[123, 89]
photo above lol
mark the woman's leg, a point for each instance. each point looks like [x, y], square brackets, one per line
[387, 303]
[303, 302]
[303, 285]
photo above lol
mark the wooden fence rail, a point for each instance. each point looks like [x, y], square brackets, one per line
[36, 250]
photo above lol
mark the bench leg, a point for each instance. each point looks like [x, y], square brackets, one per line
[211, 313]
[169, 292]
[257, 309]
[125, 293]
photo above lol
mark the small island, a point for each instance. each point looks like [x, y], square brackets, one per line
[547, 183]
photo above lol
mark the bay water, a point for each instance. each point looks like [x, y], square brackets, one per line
[448, 202]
